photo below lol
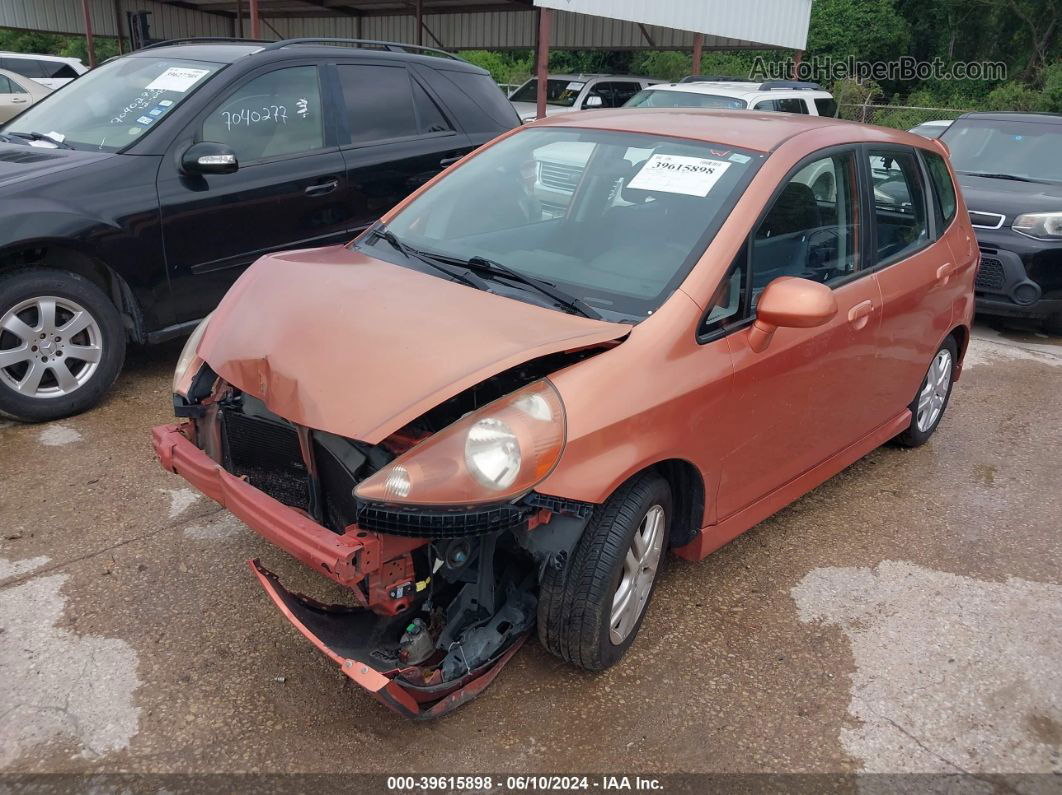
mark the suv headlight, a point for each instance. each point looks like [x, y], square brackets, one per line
[494, 454]
[1047, 225]
[189, 363]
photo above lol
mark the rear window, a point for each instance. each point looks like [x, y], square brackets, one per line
[942, 184]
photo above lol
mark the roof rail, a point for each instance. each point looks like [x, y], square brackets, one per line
[771, 85]
[203, 40]
[715, 79]
[389, 46]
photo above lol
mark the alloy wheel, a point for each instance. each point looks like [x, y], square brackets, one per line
[639, 571]
[934, 390]
[49, 347]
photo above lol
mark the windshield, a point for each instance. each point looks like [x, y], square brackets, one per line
[558, 92]
[112, 106]
[633, 215]
[656, 98]
[1025, 149]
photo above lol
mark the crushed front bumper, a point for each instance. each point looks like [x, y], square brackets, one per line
[351, 636]
[348, 637]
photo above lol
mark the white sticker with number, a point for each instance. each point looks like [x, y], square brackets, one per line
[692, 176]
[177, 78]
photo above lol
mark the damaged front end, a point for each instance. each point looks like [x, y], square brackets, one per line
[444, 582]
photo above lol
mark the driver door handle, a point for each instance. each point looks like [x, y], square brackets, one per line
[322, 188]
[945, 271]
[449, 161]
[859, 314]
[18, 100]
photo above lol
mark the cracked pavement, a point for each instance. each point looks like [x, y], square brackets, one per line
[901, 617]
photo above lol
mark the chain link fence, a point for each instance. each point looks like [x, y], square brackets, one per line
[902, 117]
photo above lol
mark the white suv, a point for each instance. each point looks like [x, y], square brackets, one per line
[48, 70]
[567, 93]
[786, 96]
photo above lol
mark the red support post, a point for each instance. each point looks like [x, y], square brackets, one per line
[698, 47]
[420, 23]
[89, 43]
[545, 20]
[798, 56]
[256, 27]
[239, 19]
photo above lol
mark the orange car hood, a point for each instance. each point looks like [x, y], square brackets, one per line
[345, 343]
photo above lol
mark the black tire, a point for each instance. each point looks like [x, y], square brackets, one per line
[914, 436]
[575, 602]
[24, 285]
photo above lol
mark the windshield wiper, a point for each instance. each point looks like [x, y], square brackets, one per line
[36, 136]
[465, 276]
[1014, 177]
[546, 288]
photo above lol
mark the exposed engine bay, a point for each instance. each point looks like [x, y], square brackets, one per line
[443, 596]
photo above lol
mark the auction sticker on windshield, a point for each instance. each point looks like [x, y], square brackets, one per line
[177, 78]
[692, 176]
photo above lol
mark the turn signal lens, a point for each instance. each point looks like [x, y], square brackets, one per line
[497, 453]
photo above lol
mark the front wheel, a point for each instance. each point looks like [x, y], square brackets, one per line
[589, 612]
[61, 344]
[929, 404]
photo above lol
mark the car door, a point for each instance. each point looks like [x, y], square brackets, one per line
[290, 190]
[806, 394]
[395, 135]
[13, 98]
[919, 276]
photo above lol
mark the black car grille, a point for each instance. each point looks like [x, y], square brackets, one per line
[990, 276]
[267, 454]
[420, 523]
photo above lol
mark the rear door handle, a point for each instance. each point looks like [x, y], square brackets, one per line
[322, 188]
[945, 271]
[449, 161]
[859, 314]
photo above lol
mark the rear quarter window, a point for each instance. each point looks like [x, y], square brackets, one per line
[943, 187]
[486, 95]
[826, 106]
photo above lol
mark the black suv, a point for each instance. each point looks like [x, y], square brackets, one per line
[1010, 170]
[132, 198]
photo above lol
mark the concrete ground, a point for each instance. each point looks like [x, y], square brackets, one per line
[904, 616]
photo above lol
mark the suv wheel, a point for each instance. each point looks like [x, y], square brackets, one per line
[929, 404]
[589, 612]
[61, 344]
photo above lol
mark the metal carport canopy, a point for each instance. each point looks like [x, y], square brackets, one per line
[770, 23]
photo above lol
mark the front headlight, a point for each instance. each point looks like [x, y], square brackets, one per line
[189, 363]
[1047, 225]
[495, 454]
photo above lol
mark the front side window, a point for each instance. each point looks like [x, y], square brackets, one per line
[812, 228]
[27, 67]
[112, 106]
[278, 113]
[561, 93]
[900, 218]
[662, 98]
[614, 94]
[639, 211]
[945, 189]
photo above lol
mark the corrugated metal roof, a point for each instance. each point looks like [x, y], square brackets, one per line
[501, 24]
[776, 23]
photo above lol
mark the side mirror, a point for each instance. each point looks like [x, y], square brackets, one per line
[593, 101]
[209, 158]
[790, 302]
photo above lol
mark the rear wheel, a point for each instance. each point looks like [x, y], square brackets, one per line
[61, 344]
[929, 404]
[590, 612]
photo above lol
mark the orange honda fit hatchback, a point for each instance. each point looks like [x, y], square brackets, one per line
[599, 337]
